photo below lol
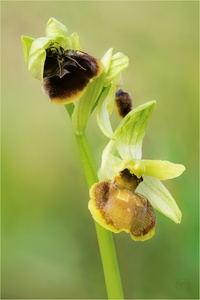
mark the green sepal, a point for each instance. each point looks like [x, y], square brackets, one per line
[119, 62]
[131, 131]
[109, 161]
[160, 198]
[55, 28]
[74, 41]
[26, 45]
[37, 56]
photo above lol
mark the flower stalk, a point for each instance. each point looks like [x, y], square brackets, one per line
[105, 237]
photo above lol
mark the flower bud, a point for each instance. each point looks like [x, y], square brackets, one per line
[123, 102]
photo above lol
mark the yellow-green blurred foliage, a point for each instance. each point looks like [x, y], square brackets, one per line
[49, 246]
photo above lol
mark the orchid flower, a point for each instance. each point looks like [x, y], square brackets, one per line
[141, 188]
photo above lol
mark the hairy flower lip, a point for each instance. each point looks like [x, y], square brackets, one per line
[77, 69]
[118, 208]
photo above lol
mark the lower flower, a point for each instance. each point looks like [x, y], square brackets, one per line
[117, 207]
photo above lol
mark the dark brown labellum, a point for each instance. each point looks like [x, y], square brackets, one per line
[67, 73]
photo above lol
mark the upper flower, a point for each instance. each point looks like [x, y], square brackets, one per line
[57, 60]
[35, 50]
[68, 74]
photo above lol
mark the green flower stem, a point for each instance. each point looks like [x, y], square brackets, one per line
[105, 237]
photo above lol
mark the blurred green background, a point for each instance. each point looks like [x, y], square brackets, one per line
[49, 246]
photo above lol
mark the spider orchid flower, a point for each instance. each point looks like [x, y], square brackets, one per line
[130, 187]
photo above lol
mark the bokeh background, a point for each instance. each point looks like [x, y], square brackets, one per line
[49, 246]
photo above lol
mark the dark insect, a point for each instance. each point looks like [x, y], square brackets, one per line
[67, 73]
[123, 102]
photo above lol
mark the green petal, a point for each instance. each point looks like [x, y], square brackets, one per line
[55, 28]
[162, 169]
[106, 59]
[103, 117]
[109, 160]
[131, 131]
[160, 198]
